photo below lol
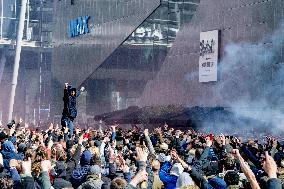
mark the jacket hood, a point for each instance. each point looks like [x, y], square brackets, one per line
[22, 147]
[92, 184]
[217, 183]
[86, 158]
[60, 169]
[8, 146]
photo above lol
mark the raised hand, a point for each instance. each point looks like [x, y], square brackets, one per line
[21, 120]
[66, 130]
[146, 132]
[50, 144]
[113, 127]
[141, 154]
[106, 140]
[139, 177]
[27, 166]
[236, 153]
[269, 166]
[81, 139]
[158, 130]
[166, 126]
[50, 127]
[45, 165]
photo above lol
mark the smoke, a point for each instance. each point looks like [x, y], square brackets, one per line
[250, 87]
[251, 83]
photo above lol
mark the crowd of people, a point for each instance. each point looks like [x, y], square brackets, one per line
[120, 158]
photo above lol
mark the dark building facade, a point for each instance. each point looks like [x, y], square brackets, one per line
[146, 53]
[32, 99]
[109, 25]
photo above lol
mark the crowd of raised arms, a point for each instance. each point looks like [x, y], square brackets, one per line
[120, 158]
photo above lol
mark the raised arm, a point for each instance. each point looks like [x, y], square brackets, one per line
[246, 170]
[270, 167]
[149, 142]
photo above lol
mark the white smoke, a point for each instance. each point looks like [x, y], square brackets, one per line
[256, 72]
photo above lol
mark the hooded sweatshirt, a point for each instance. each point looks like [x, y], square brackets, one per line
[60, 176]
[9, 152]
[79, 175]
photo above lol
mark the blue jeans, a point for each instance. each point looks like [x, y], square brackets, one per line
[67, 122]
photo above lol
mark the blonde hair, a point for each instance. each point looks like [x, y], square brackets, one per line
[95, 151]
[189, 187]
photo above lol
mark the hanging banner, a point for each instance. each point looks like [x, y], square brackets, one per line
[208, 58]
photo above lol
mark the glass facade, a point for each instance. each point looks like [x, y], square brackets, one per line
[120, 80]
[37, 21]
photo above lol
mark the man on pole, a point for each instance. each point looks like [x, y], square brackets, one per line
[70, 111]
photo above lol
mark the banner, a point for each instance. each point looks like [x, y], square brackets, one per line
[208, 58]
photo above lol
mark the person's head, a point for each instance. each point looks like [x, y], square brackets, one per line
[189, 146]
[155, 165]
[198, 153]
[73, 92]
[22, 148]
[163, 148]
[229, 163]
[86, 158]
[61, 155]
[95, 172]
[40, 155]
[232, 178]
[217, 183]
[118, 183]
[151, 158]
[95, 160]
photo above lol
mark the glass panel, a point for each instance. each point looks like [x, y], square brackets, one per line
[138, 59]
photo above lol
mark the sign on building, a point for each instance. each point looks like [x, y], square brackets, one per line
[208, 58]
[78, 26]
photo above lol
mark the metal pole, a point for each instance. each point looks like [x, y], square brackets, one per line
[28, 19]
[2, 15]
[17, 57]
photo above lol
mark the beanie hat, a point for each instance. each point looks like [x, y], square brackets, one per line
[86, 158]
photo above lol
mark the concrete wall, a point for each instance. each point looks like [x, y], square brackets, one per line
[251, 52]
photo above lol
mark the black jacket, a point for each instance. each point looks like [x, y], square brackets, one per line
[70, 109]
